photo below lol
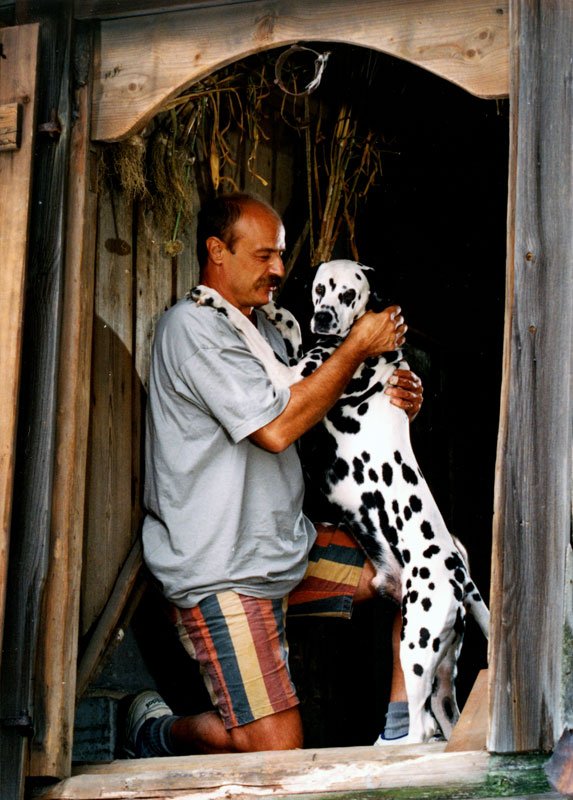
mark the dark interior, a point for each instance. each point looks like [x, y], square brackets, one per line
[434, 228]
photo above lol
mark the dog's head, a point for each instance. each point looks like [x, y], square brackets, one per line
[340, 293]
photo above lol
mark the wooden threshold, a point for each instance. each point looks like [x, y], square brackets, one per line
[399, 771]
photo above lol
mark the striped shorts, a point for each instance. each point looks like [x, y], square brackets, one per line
[240, 641]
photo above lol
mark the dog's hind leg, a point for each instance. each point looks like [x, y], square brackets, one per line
[444, 703]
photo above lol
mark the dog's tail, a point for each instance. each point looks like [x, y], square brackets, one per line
[480, 612]
[473, 600]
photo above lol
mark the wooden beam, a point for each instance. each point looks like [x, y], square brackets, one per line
[58, 637]
[17, 86]
[148, 60]
[112, 9]
[405, 770]
[532, 520]
[10, 126]
[126, 588]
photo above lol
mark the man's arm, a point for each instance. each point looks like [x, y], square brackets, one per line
[312, 397]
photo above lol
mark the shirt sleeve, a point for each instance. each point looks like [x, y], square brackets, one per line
[228, 381]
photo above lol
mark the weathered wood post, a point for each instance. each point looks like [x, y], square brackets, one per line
[30, 533]
[533, 489]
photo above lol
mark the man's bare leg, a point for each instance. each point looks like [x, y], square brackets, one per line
[205, 733]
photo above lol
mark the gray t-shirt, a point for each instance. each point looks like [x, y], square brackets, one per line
[222, 513]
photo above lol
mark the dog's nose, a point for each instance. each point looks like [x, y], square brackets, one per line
[322, 321]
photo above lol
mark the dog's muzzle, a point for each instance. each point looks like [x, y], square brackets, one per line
[324, 321]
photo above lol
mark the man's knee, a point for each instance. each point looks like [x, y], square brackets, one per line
[281, 731]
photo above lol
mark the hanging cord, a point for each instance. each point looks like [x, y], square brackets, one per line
[319, 65]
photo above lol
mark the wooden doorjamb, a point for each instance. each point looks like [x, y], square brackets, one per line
[532, 521]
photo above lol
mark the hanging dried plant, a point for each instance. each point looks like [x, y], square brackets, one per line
[128, 163]
[197, 140]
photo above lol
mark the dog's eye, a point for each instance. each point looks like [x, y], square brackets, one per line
[319, 289]
[347, 297]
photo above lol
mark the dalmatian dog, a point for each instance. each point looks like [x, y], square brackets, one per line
[373, 483]
[371, 479]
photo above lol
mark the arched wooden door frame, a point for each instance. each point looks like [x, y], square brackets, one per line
[146, 61]
[139, 71]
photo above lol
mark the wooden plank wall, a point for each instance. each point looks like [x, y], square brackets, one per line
[533, 488]
[135, 282]
[17, 85]
[30, 530]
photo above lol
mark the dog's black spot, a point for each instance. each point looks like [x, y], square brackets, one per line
[477, 597]
[460, 576]
[431, 551]
[372, 475]
[338, 470]
[409, 475]
[406, 556]
[395, 507]
[424, 573]
[431, 586]
[363, 409]
[387, 474]
[415, 572]
[424, 637]
[413, 596]
[426, 529]
[415, 503]
[458, 594]
[426, 604]
[397, 457]
[418, 669]
[411, 645]
[436, 644]
[469, 588]
[460, 623]
[399, 523]
[358, 470]
[448, 708]
[408, 583]
[365, 457]
[347, 297]
[454, 562]
[407, 512]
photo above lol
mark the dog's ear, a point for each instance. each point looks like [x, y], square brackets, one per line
[376, 302]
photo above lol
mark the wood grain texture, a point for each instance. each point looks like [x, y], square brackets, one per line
[58, 638]
[470, 732]
[109, 620]
[29, 544]
[402, 772]
[145, 61]
[17, 84]
[533, 483]
[105, 9]
[109, 532]
[10, 126]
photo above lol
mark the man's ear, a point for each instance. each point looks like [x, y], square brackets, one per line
[215, 249]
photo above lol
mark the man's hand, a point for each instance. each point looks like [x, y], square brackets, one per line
[406, 392]
[379, 333]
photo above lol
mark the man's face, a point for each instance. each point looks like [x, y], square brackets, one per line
[253, 269]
